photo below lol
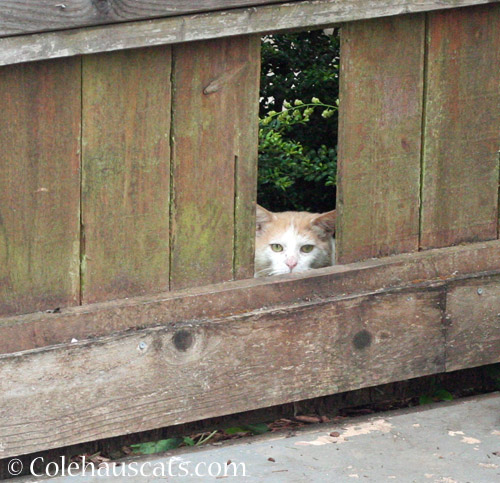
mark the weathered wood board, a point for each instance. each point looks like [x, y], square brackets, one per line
[462, 127]
[126, 173]
[473, 312]
[23, 16]
[165, 376]
[379, 137]
[246, 156]
[161, 203]
[186, 28]
[218, 81]
[39, 186]
[230, 299]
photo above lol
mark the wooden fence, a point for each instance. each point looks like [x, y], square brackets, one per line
[127, 196]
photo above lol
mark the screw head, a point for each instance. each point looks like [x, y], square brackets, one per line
[480, 291]
[142, 346]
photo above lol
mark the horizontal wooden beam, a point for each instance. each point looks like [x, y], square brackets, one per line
[71, 393]
[473, 323]
[41, 329]
[156, 377]
[24, 16]
[185, 28]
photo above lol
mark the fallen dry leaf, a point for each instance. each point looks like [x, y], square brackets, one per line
[308, 419]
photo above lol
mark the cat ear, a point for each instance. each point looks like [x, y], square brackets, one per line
[326, 222]
[262, 216]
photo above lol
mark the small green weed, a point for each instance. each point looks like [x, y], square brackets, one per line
[152, 447]
[438, 395]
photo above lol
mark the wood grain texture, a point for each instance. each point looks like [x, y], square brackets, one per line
[39, 186]
[186, 28]
[231, 299]
[473, 315]
[379, 137]
[126, 173]
[462, 127]
[166, 376]
[24, 16]
[214, 82]
[246, 148]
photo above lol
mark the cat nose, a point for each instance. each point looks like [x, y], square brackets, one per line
[291, 262]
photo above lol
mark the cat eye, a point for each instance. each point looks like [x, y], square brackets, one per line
[306, 248]
[276, 247]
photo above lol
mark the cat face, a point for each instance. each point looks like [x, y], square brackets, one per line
[293, 241]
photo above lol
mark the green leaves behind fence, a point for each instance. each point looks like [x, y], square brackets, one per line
[152, 447]
[439, 395]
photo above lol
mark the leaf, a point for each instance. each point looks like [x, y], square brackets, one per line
[443, 395]
[160, 446]
[425, 400]
[259, 428]
[188, 441]
[235, 430]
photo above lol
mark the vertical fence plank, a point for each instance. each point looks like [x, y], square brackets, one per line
[247, 141]
[380, 137]
[39, 185]
[462, 127]
[213, 131]
[126, 156]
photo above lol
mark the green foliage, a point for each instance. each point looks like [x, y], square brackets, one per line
[152, 447]
[291, 175]
[437, 395]
[297, 143]
[188, 441]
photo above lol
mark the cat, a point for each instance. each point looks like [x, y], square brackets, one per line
[293, 241]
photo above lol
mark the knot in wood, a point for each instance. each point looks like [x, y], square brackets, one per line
[183, 340]
[362, 339]
[102, 6]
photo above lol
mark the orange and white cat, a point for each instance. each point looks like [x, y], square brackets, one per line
[293, 241]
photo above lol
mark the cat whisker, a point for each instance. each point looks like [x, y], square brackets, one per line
[264, 272]
[276, 272]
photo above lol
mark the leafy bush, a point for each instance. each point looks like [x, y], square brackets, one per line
[298, 127]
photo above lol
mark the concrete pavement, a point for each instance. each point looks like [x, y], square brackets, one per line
[455, 442]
